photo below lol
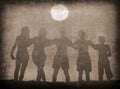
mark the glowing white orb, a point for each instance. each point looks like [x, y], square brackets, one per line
[59, 12]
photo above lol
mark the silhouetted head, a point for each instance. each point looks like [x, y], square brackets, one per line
[101, 39]
[25, 31]
[82, 35]
[42, 32]
[62, 32]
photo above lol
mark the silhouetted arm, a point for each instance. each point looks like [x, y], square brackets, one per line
[95, 46]
[30, 41]
[76, 45]
[109, 53]
[50, 42]
[69, 42]
[13, 48]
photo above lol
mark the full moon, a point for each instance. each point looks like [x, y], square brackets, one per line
[59, 12]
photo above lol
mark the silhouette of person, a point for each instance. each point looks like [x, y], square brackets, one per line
[83, 61]
[103, 62]
[61, 57]
[38, 55]
[22, 57]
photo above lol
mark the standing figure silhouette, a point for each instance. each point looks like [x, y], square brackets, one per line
[61, 58]
[22, 42]
[83, 61]
[38, 55]
[103, 62]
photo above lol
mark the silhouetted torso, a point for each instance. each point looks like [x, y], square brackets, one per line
[39, 45]
[62, 45]
[38, 54]
[83, 61]
[103, 52]
[22, 44]
[61, 55]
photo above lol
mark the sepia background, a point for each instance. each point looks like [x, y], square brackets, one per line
[95, 19]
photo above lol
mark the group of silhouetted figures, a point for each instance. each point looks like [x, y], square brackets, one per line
[23, 41]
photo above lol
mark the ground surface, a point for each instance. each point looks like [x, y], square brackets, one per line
[10, 84]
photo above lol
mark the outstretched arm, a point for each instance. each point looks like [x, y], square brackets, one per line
[13, 48]
[95, 46]
[50, 42]
[76, 45]
[73, 45]
[30, 41]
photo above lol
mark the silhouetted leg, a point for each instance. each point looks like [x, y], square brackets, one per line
[108, 71]
[100, 71]
[39, 75]
[17, 68]
[23, 67]
[67, 76]
[43, 74]
[38, 65]
[55, 73]
[80, 75]
[87, 75]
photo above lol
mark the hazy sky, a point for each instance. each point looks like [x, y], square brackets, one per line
[94, 18]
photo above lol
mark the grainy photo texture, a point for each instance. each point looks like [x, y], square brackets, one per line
[59, 41]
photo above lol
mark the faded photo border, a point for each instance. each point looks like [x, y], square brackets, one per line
[3, 4]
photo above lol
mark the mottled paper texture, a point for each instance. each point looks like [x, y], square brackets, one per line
[95, 19]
